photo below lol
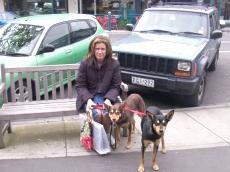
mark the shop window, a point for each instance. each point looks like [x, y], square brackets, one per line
[34, 7]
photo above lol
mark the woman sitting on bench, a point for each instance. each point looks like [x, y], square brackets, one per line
[98, 80]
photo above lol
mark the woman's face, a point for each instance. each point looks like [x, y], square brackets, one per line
[100, 52]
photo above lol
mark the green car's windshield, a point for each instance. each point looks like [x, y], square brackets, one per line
[174, 22]
[19, 39]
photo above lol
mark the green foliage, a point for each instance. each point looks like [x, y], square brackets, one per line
[122, 23]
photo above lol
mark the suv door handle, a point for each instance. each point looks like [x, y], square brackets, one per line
[68, 51]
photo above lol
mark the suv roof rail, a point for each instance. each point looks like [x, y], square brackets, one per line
[165, 2]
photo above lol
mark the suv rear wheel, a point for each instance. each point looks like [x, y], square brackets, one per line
[213, 65]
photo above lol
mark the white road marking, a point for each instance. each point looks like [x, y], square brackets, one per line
[225, 42]
[224, 51]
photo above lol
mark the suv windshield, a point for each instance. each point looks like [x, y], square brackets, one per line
[173, 22]
[19, 39]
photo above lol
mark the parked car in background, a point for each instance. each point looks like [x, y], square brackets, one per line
[6, 16]
[171, 49]
[47, 40]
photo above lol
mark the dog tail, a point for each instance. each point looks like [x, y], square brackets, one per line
[141, 104]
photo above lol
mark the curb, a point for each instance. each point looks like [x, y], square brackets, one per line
[212, 106]
[226, 29]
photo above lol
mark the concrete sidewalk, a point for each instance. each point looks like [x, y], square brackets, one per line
[190, 128]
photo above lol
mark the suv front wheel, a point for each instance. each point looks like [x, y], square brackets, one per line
[197, 97]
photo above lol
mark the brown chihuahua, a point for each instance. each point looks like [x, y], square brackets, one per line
[122, 115]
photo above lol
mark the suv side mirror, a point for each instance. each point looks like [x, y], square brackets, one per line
[222, 24]
[216, 34]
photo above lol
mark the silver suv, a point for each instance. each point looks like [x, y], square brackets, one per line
[171, 49]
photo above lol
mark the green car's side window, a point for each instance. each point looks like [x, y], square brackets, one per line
[80, 30]
[58, 36]
[93, 26]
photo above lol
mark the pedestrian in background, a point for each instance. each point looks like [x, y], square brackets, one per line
[227, 9]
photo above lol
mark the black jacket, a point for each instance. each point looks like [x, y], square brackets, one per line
[92, 79]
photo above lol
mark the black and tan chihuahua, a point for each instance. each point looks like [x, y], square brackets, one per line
[153, 125]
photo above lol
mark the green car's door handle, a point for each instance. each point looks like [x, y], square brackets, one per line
[68, 51]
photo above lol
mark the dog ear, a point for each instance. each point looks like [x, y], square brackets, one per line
[151, 115]
[122, 107]
[107, 107]
[169, 115]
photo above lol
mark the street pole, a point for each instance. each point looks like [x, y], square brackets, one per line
[109, 21]
[95, 7]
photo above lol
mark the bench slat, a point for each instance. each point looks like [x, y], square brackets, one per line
[38, 115]
[12, 86]
[28, 82]
[21, 86]
[45, 85]
[43, 68]
[25, 110]
[61, 84]
[37, 86]
[69, 84]
[53, 81]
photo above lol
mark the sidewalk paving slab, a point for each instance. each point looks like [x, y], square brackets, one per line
[190, 128]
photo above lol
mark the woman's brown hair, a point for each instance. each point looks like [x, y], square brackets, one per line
[100, 39]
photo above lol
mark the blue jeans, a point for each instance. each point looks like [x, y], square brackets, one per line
[98, 99]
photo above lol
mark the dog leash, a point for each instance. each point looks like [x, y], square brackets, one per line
[112, 132]
[99, 106]
[140, 114]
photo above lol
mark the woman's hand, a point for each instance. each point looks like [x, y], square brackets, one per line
[107, 102]
[90, 105]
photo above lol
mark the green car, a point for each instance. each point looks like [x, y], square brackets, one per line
[47, 39]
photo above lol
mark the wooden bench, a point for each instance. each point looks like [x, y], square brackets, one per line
[24, 88]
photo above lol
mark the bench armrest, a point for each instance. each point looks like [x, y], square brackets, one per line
[124, 87]
[2, 88]
[124, 90]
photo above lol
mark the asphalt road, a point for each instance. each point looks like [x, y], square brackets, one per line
[192, 160]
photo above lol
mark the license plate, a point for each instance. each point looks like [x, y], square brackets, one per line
[143, 81]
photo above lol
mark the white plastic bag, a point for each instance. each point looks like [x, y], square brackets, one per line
[82, 118]
[100, 139]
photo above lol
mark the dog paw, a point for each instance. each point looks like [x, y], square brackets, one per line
[163, 151]
[141, 168]
[128, 146]
[118, 144]
[133, 131]
[155, 167]
[113, 146]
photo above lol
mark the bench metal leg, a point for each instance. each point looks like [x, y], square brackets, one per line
[9, 129]
[2, 145]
